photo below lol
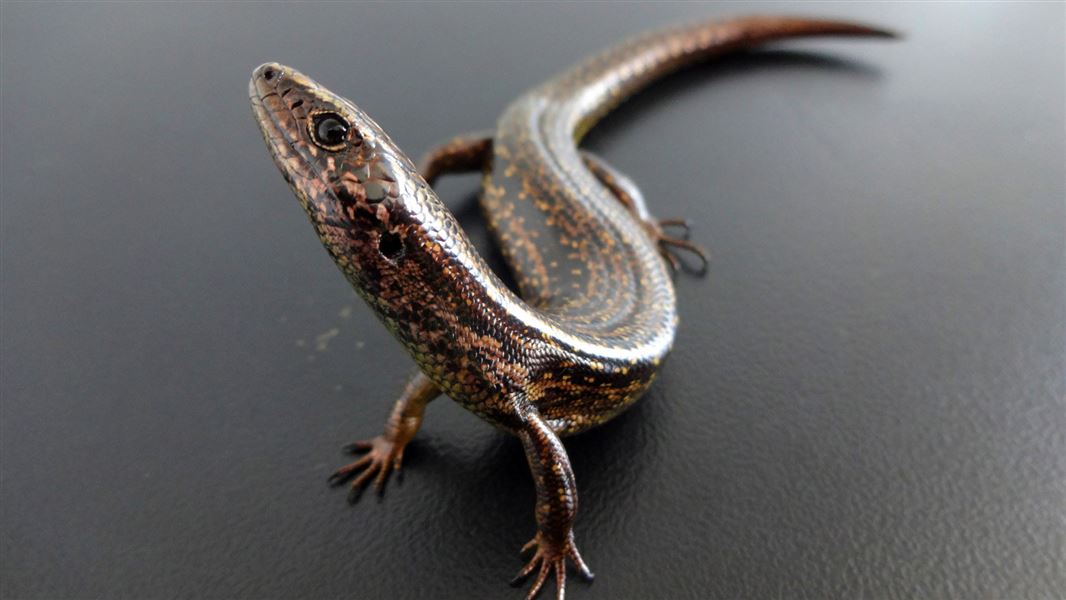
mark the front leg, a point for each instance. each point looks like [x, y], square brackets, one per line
[461, 154]
[555, 510]
[384, 453]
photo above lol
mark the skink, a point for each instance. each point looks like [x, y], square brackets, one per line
[595, 313]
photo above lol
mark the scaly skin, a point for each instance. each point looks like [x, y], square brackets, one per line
[597, 311]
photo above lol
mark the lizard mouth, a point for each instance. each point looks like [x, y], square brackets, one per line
[279, 97]
[276, 119]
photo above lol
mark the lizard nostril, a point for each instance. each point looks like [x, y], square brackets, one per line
[269, 74]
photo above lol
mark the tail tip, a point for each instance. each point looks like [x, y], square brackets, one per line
[882, 32]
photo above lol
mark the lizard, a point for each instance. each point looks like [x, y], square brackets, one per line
[595, 310]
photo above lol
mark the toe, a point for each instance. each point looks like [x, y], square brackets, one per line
[383, 475]
[343, 473]
[579, 562]
[526, 570]
[357, 447]
[528, 546]
[365, 476]
[545, 567]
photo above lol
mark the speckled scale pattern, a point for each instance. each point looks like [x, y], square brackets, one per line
[596, 313]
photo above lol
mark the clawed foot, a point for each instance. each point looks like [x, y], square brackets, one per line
[382, 456]
[548, 558]
[670, 245]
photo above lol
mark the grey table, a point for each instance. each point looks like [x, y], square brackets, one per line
[866, 398]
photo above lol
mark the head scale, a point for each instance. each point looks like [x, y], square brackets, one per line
[363, 196]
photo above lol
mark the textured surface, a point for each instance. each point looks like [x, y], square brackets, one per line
[865, 398]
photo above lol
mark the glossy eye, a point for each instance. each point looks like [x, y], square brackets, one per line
[329, 130]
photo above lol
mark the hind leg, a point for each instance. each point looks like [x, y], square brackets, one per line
[555, 510]
[630, 196]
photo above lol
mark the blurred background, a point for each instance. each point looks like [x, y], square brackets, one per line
[866, 396]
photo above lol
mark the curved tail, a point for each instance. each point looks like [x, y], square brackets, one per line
[599, 84]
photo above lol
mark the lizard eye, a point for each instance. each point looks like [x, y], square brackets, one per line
[329, 130]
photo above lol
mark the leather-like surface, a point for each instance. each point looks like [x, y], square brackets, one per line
[865, 400]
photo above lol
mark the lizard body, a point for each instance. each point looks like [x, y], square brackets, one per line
[596, 312]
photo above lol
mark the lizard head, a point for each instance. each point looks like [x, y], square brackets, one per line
[362, 194]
